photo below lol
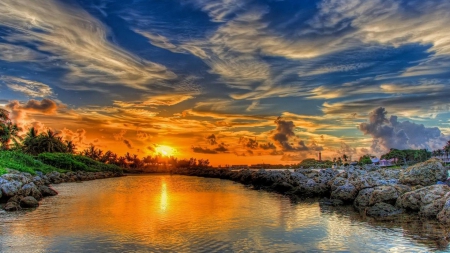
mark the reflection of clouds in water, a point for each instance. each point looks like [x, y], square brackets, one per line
[189, 214]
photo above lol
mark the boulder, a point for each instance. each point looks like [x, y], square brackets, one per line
[29, 202]
[12, 206]
[379, 194]
[346, 193]
[23, 178]
[282, 187]
[390, 173]
[370, 167]
[325, 176]
[383, 210]
[444, 215]
[417, 199]
[54, 177]
[431, 210]
[37, 180]
[363, 199]
[402, 189]
[336, 182]
[31, 189]
[385, 193]
[10, 188]
[47, 191]
[425, 173]
[312, 188]
[298, 178]
[26, 189]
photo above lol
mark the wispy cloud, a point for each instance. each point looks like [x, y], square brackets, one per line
[220, 10]
[15, 53]
[80, 41]
[27, 87]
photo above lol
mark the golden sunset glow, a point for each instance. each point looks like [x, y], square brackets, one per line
[165, 150]
[242, 87]
[164, 198]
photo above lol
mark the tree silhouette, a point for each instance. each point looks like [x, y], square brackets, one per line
[8, 130]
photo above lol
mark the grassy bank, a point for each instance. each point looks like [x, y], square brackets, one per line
[48, 162]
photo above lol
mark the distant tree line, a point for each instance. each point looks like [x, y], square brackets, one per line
[35, 143]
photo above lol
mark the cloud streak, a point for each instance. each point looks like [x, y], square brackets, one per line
[27, 87]
[80, 41]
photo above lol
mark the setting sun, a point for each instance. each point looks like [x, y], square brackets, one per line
[165, 150]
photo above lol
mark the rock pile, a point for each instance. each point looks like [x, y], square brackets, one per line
[20, 190]
[372, 190]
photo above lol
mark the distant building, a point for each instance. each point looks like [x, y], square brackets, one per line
[387, 163]
[375, 160]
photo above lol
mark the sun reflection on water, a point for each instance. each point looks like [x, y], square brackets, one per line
[164, 198]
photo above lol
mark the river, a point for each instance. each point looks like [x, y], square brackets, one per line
[164, 213]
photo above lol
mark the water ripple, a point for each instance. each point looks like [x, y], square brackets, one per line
[162, 213]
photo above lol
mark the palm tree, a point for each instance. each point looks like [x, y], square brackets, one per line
[447, 151]
[345, 157]
[434, 153]
[439, 152]
[50, 142]
[30, 142]
[8, 130]
[93, 153]
[70, 147]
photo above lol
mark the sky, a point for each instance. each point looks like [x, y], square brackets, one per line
[232, 81]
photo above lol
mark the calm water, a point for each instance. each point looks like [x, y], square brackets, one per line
[163, 213]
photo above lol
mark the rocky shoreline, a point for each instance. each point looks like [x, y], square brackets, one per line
[373, 191]
[19, 190]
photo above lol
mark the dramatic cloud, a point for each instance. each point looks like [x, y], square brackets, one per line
[321, 65]
[284, 131]
[19, 111]
[285, 137]
[390, 133]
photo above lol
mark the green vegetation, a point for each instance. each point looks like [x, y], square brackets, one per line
[8, 131]
[407, 156]
[2, 171]
[76, 162]
[61, 160]
[443, 153]
[22, 162]
[49, 141]
[365, 159]
[48, 162]
[46, 152]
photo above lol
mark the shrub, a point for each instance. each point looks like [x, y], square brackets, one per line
[76, 162]
[96, 165]
[2, 171]
[63, 161]
[22, 162]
